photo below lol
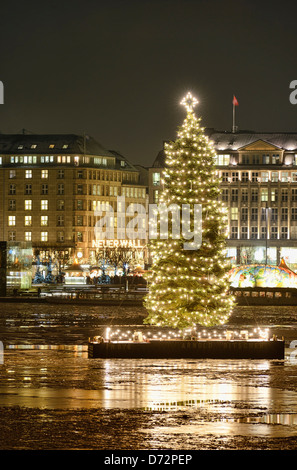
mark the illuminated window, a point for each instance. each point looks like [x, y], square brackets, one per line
[285, 176]
[33, 146]
[274, 195]
[11, 220]
[234, 213]
[28, 173]
[44, 220]
[156, 179]
[28, 220]
[44, 173]
[44, 236]
[65, 146]
[274, 176]
[12, 173]
[264, 194]
[28, 204]
[28, 236]
[44, 204]
[264, 176]
[51, 146]
[223, 160]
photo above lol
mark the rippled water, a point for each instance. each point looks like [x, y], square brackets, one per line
[53, 397]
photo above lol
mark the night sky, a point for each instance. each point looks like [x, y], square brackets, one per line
[117, 70]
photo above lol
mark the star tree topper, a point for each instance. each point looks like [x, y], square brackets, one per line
[189, 102]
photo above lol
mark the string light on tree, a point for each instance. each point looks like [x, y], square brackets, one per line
[190, 287]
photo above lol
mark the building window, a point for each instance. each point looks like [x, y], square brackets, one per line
[274, 195]
[80, 174]
[294, 195]
[223, 160]
[60, 236]
[265, 159]
[274, 176]
[61, 205]
[285, 176]
[263, 214]
[254, 233]
[234, 213]
[28, 236]
[28, 220]
[12, 173]
[284, 233]
[255, 176]
[60, 221]
[79, 189]
[44, 174]
[274, 214]
[244, 195]
[256, 159]
[44, 236]
[244, 233]
[44, 204]
[294, 176]
[11, 236]
[12, 189]
[80, 220]
[44, 189]
[225, 176]
[244, 177]
[244, 214]
[28, 173]
[79, 204]
[294, 213]
[60, 189]
[47, 159]
[275, 159]
[254, 214]
[263, 232]
[273, 233]
[234, 232]
[11, 220]
[28, 204]
[264, 194]
[61, 174]
[234, 176]
[225, 195]
[28, 189]
[156, 194]
[284, 195]
[234, 195]
[11, 205]
[264, 176]
[156, 179]
[284, 213]
[44, 220]
[254, 195]
[79, 236]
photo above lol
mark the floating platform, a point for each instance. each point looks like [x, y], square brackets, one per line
[188, 349]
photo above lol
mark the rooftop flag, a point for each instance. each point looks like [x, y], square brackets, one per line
[235, 102]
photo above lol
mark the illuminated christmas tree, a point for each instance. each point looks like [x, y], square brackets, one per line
[188, 283]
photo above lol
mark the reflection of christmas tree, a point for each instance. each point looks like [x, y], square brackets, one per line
[189, 287]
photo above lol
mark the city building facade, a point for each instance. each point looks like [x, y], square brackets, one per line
[56, 187]
[258, 174]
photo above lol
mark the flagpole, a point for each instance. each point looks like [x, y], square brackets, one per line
[233, 127]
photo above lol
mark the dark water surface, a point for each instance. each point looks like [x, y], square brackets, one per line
[53, 397]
